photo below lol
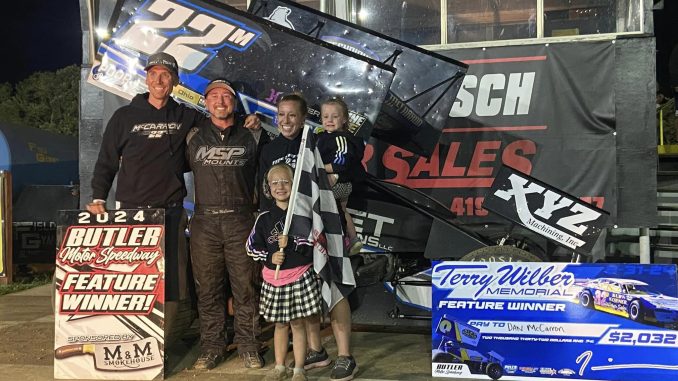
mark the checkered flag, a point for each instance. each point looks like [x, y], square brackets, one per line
[315, 216]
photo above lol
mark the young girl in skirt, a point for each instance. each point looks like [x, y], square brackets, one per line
[295, 295]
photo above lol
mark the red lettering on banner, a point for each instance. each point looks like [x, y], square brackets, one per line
[432, 166]
[598, 202]
[449, 170]
[367, 155]
[401, 167]
[512, 155]
[105, 245]
[457, 171]
[480, 156]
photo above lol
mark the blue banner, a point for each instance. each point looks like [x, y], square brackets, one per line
[518, 321]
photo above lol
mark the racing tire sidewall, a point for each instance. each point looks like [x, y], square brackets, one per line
[494, 371]
[586, 299]
[635, 311]
[500, 254]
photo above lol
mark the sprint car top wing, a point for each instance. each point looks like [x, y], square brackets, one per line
[261, 58]
[425, 84]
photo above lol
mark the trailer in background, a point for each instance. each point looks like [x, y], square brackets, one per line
[39, 176]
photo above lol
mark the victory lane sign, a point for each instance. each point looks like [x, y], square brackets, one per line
[109, 295]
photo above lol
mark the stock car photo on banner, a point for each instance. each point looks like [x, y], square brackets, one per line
[110, 295]
[520, 321]
[632, 299]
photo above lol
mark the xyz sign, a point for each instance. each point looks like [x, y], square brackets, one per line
[545, 210]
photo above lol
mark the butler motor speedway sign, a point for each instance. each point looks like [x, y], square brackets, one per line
[109, 301]
[519, 321]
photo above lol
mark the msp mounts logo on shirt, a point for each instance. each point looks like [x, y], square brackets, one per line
[155, 130]
[221, 156]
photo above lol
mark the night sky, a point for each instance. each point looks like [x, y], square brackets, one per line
[38, 35]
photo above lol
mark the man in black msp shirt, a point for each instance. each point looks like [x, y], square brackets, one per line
[223, 156]
[144, 144]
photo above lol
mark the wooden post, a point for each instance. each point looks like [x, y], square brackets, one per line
[5, 227]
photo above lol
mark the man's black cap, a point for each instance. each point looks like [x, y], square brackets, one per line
[163, 59]
[219, 82]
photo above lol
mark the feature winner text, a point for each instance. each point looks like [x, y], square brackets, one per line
[108, 293]
[502, 305]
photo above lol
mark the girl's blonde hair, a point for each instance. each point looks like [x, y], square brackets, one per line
[338, 102]
[280, 166]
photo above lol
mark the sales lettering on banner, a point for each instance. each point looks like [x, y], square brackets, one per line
[109, 295]
[545, 210]
[425, 83]
[263, 59]
[547, 111]
[520, 321]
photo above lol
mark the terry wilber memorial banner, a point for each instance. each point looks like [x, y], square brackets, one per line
[109, 295]
[521, 321]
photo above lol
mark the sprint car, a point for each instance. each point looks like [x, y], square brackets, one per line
[631, 299]
[457, 344]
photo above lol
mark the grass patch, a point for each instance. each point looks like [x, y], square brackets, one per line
[26, 283]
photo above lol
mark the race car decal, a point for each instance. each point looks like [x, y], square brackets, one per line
[546, 210]
[261, 58]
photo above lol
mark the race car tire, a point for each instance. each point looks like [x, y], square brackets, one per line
[500, 254]
[494, 371]
[440, 356]
[636, 311]
[586, 299]
[520, 241]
